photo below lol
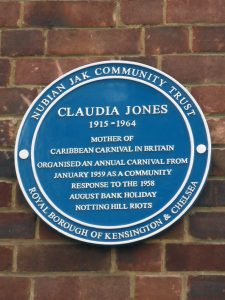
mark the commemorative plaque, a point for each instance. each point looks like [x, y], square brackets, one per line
[112, 152]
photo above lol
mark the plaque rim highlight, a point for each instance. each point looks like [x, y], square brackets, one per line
[194, 148]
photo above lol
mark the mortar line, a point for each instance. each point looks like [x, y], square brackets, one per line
[163, 257]
[14, 262]
[31, 289]
[21, 17]
[132, 286]
[117, 14]
[45, 35]
[13, 196]
[142, 42]
[113, 260]
[184, 288]
[12, 72]
[159, 62]
[1, 43]
[186, 230]
[37, 229]
[190, 38]
[165, 12]
[172, 274]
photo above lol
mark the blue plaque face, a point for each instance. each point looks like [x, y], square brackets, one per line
[112, 152]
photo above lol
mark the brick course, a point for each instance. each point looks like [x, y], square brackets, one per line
[208, 39]
[85, 288]
[8, 129]
[206, 287]
[212, 194]
[158, 288]
[141, 12]
[139, 258]
[69, 13]
[4, 71]
[192, 11]
[63, 258]
[196, 69]
[9, 13]
[15, 288]
[22, 43]
[207, 225]
[42, 71]
[5, 194]
[6, 254]
[17, 225]
[100, 42]
[166, 40]
[15, 101]
[7, 164]
[195, 257]
[210, 98]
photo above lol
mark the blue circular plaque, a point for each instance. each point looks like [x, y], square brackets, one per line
[112, 152]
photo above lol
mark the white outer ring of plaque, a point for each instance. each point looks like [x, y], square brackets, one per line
[130, 224]
[182, 212]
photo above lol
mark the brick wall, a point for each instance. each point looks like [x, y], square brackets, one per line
[40, 40]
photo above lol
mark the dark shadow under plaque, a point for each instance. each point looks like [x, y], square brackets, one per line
[112, 152]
